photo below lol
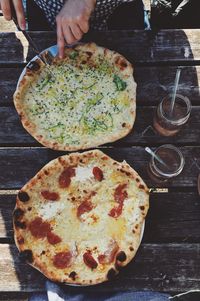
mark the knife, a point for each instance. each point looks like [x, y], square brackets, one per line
[198, 184]
[46, 59]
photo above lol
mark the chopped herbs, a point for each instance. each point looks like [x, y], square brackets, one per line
[77, 102]
[120, 84]
[73, 54]
[44, 82]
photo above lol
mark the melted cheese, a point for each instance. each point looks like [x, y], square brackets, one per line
[94, 230]
[51, 209]
[78, 104]
[83, 173]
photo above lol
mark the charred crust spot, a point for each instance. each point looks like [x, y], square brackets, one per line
[121, 256]
[117, 266]
[61, 161]
[141, 186]
[142, 208]
[46, 172]
[73, 199]
[33, 66]
[43, 252]
[137, 180]
[104, 158]
[133, 230]
[18, 213]
[89, 53]
[123, 64]
[29, 208]
[123, 124]
[73, 275]
[26, 256]
[128, 173]
[131, 249]
[23, 196]
[20, 240]
[21, 225]
[117, 60]
[111, 274]
[136, 226]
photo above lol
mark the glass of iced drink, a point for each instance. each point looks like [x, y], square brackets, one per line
[168, 122]
[167, 162]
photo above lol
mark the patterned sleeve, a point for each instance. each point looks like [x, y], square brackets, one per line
[103, 10]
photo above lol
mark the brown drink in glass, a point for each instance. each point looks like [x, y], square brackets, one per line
[173, 163]
[167, 122]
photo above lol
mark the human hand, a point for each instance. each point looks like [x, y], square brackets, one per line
[18, 6]
[73, 22]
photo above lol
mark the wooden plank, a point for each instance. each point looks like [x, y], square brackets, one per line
[8, 83]
[18, 165]
[137, 45]
[173, 216]
[8, 26]
[164, 267]
[12, 132]
[153, 83]
[14, 296]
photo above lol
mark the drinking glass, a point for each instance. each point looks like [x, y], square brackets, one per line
[169, 165]
[169, 123]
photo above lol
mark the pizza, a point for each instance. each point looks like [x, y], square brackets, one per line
[84, 100]
[79, 220]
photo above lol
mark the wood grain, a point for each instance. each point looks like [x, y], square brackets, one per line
[168, 259]
[172, 217]
[7, 26]
[137, 45]
[153, 83]
[15, 296]
[13, 133]
[18, 165]
[166, 267]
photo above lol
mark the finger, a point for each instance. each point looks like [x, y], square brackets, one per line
[76, 31]
[69, 37]
[5, 6]
[20, 13]
[84, 26]
[60, 40]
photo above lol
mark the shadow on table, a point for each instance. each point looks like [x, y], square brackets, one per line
[149, 91]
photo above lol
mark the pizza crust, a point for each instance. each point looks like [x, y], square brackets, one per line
[121, 235]
[120, 128]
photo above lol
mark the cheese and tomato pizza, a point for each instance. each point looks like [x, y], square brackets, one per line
[79, 220]
[84, 100]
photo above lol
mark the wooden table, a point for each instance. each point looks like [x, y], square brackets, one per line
[168, 259]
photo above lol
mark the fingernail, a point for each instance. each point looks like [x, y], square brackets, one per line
[23, 25]
[61, 55]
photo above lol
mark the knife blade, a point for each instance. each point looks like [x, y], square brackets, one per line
[198, 184]
[46, 59]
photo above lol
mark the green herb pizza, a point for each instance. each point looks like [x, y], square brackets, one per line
[81, 101]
